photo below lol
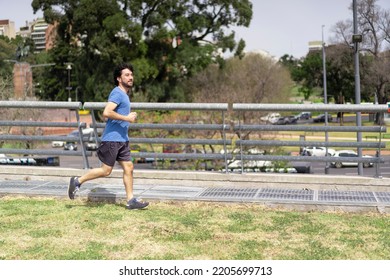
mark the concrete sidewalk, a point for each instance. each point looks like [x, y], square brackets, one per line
[298, 191]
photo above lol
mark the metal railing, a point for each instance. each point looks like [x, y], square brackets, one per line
[311, 108]
[73, 106]
[235, 112]
[222, 108]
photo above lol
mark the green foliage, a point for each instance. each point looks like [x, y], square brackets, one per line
[308, 73]
[167, 41]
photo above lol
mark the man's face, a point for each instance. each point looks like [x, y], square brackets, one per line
[126, 79]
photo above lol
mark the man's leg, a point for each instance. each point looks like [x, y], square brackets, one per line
[75, 182]
[132, 202]
[103, 171]
[128, 168]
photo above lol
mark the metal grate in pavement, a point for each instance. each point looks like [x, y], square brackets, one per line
[383, 197]
[285, 194]
[229, 193]
[346, 196]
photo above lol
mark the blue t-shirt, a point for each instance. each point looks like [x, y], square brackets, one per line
[116, 130]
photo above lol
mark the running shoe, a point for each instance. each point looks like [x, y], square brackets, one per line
[136, 204]
[73, 187]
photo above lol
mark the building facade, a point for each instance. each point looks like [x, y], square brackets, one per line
[38, 35]
[7, 28]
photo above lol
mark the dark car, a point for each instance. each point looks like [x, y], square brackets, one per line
[291, 119]
[280, 121]
[304, 116]
[321, 118]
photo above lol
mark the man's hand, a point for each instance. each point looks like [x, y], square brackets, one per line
[132, 117]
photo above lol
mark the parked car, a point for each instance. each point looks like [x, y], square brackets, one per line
[90, 144]
[271, 118]
[287, 120]
[349, 153]
[249, 165]
[321, 118]
[280, 121]
[317, 151]
[57, 144]
[291, 119]
[304, 116]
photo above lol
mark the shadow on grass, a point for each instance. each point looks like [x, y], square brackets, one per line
[97, 197]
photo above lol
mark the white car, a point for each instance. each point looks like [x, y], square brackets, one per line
[317, 151]
[57, 144]
[271, 118]
[349, 153]
[249, 164]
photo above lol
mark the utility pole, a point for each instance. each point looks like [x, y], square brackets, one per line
[325, 97]
[69, 88]
[356, 39]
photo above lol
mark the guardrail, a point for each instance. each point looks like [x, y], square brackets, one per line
[73, 106]
[222, 108]
[237, 127]
[241, 108]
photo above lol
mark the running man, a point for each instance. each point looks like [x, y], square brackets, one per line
[114, 146]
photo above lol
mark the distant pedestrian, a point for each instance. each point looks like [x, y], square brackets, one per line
[115, 140]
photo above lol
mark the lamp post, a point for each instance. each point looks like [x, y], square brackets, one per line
[356, 39]
[325, 97]
[69, 68]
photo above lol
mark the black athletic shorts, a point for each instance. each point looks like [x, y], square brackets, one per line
[109, 152]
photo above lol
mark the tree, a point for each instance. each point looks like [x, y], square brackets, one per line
[7, 49]
[340, 73]
[374, 25]
[308, 73]
[253, 79]
[167, 41]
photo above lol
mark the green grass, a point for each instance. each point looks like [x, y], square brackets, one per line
[50, 228]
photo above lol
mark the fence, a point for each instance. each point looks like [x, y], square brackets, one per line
[38, 105]
[222, 108]
[237, 127]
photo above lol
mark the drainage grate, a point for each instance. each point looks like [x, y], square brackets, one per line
[383, 196]
[346, 196]
[285, 194]
[229, 193]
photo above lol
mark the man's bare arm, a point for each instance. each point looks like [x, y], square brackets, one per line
[109, 112]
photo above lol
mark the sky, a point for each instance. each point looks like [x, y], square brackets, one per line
[278, 26]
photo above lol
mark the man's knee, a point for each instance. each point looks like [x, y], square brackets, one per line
[128, 167]
[107, 171]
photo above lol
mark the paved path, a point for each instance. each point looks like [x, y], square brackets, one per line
[301, 192]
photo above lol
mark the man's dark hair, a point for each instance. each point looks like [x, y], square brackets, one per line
[118, 71]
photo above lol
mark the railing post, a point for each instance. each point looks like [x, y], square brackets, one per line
[81, 136]
[239, 132]
[378, 154]
[224, 141]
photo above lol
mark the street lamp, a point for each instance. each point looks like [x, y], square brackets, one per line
[325, 97]
[69, 68]
[356, 39]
